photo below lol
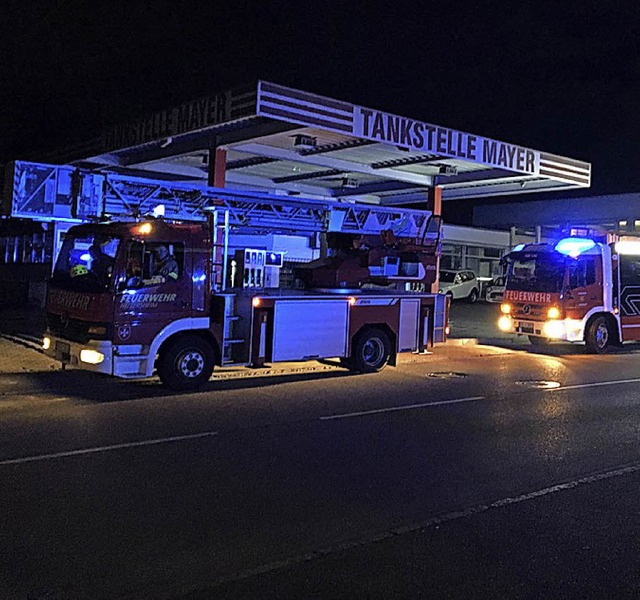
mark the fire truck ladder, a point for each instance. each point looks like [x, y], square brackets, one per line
[52, 192]
[233, 338]
[219, 249]
[236, 329]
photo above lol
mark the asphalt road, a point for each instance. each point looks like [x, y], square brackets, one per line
[464, 474]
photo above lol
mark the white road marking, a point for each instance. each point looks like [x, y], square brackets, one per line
[40, 457]
[595, 384]
[421, 526]
[395, 408]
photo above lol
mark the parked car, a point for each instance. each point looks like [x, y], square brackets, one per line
[459, 284]
[495, 290]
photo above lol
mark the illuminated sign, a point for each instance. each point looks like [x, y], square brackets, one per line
[274, 259]
[433, 139]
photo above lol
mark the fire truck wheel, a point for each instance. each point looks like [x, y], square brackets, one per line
[371, 351]
[598, 337]
[346, 362]
[186, 364]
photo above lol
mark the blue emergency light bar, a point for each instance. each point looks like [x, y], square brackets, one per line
[574, 246]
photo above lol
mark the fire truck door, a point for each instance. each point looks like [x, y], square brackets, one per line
[584, 287]
[156, 291]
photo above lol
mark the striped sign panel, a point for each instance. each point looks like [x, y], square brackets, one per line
[303, 108]
[565, 169]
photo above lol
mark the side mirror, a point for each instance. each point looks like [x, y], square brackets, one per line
[130, 284]
[134, 282]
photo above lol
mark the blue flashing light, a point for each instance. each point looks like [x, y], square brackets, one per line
[518, 248]
[573, 246]
[86, 257]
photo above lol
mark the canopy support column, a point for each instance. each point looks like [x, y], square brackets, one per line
[217, 165]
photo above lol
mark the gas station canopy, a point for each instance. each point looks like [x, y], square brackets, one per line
[279, 138]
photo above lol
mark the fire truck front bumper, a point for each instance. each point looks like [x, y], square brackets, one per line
[569, 330]
[96, 356]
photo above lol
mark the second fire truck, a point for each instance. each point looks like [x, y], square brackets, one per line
[580, 289]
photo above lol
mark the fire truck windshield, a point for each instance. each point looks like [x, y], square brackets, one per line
[536, 272]
[85, 263]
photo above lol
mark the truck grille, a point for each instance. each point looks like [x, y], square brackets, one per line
[74, 329]
[536, 312]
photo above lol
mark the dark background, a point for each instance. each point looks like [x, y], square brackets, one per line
[560, 77]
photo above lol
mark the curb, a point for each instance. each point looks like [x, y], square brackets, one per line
[24, 341]
[461, 342]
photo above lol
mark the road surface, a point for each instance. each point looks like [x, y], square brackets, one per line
[476, 472]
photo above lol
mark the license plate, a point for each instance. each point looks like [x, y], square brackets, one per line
[525, 328]
[63, 351]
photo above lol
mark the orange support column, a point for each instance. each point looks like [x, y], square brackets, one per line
[217, 170]
[434, 200]
[434, 204]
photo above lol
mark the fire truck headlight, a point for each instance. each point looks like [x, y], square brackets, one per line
[553, 329]
[92, 357]
[46, 343]
[505, 309]
[573, 328]
[553, 312]
[504, 323]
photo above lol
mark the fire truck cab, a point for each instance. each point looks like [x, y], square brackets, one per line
[580, 289]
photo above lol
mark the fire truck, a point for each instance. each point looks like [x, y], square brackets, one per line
[134, 297]
[579, 289]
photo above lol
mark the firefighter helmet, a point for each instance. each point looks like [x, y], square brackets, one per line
[78, 270]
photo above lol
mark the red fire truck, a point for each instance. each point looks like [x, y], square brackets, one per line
[578, 289]
[131, 299]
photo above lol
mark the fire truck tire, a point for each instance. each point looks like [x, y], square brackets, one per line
[599, 337]
[473, 296]
[346, 362]
[186, 364]
[371, 351]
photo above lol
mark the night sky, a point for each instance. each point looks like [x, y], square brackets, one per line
[557, 76]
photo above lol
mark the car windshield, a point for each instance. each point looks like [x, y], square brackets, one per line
[447, 276]
[85, 263]
[536, 272]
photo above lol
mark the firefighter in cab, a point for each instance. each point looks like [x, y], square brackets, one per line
[165, 265]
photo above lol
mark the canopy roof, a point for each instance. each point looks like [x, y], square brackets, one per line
[279, 138]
